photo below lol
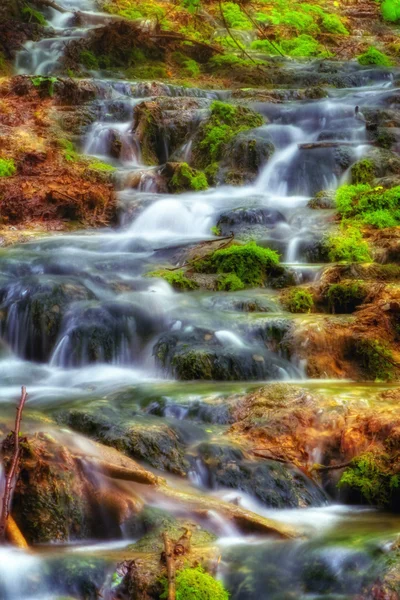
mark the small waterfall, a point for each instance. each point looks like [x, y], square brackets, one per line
[20, 575]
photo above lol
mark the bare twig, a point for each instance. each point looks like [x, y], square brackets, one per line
[331, 467]
[232, 36]
[169, 559]
[10, 477]
[51, 4]
[260, 30]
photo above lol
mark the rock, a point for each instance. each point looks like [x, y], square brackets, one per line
[324, 200]
[274, 484]
[246, 222]
[248, 152]
[180, 178]
[149, 440]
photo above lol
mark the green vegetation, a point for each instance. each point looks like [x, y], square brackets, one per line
[215, 230]
[370, 475]
[249, 262]
[345, 297]
[98, 165]
[373, 56]
[88, 60]
[70, 154]
[363, 171]
[133, 10]
[7, 167]
[376, 358]
[347, 245]
[391, 10]
[44, 84]
[364, 204]
[188, 66]
[235, 17]
[299, 301]
[176, 279]
[225, 122]
[187, 178]
[230, 283]
[196, 584]
[302, 46]
[333, 24]
[31, 15]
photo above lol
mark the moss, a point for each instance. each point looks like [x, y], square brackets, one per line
[98, 165]
[69, 151]
[196, 584]
[370, 476]
[249, 262]
[188, 66]
[376, 358]
[235, 17]
[225, 122]
[215, 230]
[333, 24]
[230, 283]
[373, 56]
[299, 301]
[371, 206]
[187, 178]
[363, 171]
[385, 139]
[192, 365]
[347, 245]
[302, 46]
[391, 10]
[345, 297]
[7, 167]
[156, 70]
[381, 218]
[176, 279]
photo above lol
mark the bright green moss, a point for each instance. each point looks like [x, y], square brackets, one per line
[361, 200]
[249, 262]
[333, 24]
[196, 584]
[345, 297]
[225, 122]
[373, 56]
[69, 151]
[44, 84]
[186, 178]
[302, 46]
[235, 17]
[7, 167]
[370, 476]
[230, 283]
[391, 10]
[299, 301]
[188, 66]
[98, 165]
[267, 47]
[363, 171]
[376, 358]
[347, 245]
[176, 279]
[381, 218]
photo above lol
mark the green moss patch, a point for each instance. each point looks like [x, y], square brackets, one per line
[373, 56]
[376, 358]
[187, 178]
[299, 301]
[225, 122]
[377, 206]
[250, 263]
[177, 279]
[345, 297]
[7, 167]
[363, 171]
[196, 584]
[347, 245]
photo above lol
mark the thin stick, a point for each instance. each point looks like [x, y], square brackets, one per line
[231, 35]
[169, 558]
[10, 477]
[51, 4]
[331, 467]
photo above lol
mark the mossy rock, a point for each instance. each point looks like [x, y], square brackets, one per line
[345, 297]
[182, 178]
[363, 171]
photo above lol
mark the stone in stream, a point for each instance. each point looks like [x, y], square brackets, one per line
[248, 152]
[248, 222]
[274, 484]
[198, 354]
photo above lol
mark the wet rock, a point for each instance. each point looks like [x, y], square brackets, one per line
[248, 152]
[198, 354]
[154, 442]
[384, 161]
[244, 222]
[180, 178]
[274, 484]
[39, 302]
[324, 200]
[82, 577]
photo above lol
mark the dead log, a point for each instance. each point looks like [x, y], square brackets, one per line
[138, 475]
[14, 534]
[313, 145]
[12, 471]
[169, 559]
[51, 4]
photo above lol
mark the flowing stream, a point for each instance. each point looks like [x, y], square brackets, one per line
[115, 315]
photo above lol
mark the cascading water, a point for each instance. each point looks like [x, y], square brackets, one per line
[83, 323]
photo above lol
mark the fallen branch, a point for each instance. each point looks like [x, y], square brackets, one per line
[182, 38]
[313, 145]
[169, 559]
[331, 467]
[14, 535]
[10, 477]
[51, 4]
[260, 30]
[231, 35]
[116, 472]
[261, 454]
